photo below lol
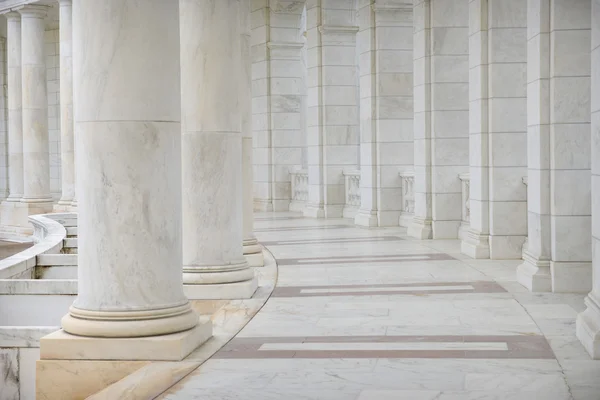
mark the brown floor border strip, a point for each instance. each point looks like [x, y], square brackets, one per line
[364, 259]
[300, 242]
[470, 354]
[478, 287]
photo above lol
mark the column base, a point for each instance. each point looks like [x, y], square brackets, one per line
[587, 326]
[129, 324]
[571, 277]
[253, 253]
[420, 229]
[314, 211]
[297, 206]
[506, 247]
[35, 207]
[13, 216]
[218, 274]
[534, 274]
[263, 205]
[75, 367]
[63, 205]
[222, 291]
[366, 218]
[475, 245]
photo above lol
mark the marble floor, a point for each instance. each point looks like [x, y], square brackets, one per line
[371, 314]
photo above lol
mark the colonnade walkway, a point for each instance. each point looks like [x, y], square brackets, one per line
[361, 314]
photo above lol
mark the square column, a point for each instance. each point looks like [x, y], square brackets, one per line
[441, 115]
[558, 254]
[332, 132]
[385, 42]
[588, 322]
[498, 125]
[278, 95]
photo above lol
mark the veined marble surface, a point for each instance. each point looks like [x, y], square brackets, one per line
[358, 317]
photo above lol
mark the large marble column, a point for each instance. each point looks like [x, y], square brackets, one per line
[67, 143]
[441, 115]
[588, 322]
[333, 131]
[36, 150]
[497, 129]
[12, 212]
[213, 262]
[129, 159]
[252, 250]
[385, 42]
[559, 249]
[15, 119]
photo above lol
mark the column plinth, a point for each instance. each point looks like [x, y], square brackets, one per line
[214, 266]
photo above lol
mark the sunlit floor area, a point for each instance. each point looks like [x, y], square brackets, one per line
[363, 314]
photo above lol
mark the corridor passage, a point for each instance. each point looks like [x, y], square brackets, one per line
[362, 314]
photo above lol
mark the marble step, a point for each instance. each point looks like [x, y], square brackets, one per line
[56, 272]
[47, 260]
[71, 230]
[70, 242]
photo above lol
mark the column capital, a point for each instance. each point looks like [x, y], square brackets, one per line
[33, 10]
[12, 14]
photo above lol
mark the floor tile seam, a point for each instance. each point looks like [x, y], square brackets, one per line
[562, 368]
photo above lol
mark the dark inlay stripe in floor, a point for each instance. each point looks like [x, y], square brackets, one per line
[333, 240]
[414, 289]
[302, 228]
[364, 259]
[507, 347]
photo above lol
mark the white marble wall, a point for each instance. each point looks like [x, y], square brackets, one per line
[497, 129]
[277, 99]
[385, 41]
[559, 252]
[588, 322]
[332, 131]
[52, 44]
[441, 115]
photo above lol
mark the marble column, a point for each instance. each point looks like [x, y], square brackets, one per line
[588, 322]
[497, 129]
[129, 158]
[278, 95]
[67, 143]
[252, 250]
[15, 120]
[213, 262]
[441, 115]
[385, 42]
[36, 150]
[13, 214]
[333, 121]
[559, 249]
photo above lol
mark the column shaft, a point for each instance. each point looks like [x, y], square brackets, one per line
[386, 103]
[129, 159]
[588, 322]
[67, 144]
[497, 129]
[252, 251]
[36, 151]
[213, 261]
[15, 116]
[558, 143]
[441, 116]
